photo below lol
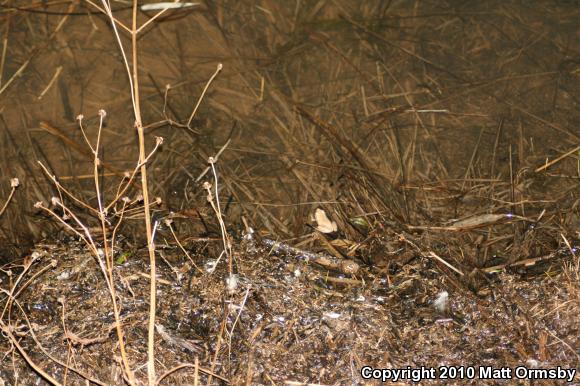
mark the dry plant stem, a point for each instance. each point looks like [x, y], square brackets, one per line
[196, 372]
[71, 143]
[226, 242]
[6, 331]
[182, 248]
[217, 71]
[148, 229]
[218, 345]
[52, 358]
[436, 257]
[4, 49]
[66, 333]
[33, 52]
[134, 84]
[118, 193]
[144, 25]
[114, 234]
[88, 241]
[215, 208]
[151, 246]
[26, 267]
[60, 189]
[15, 75]
[8, 200]
[122, 191]
[96, 163]
[51, 82]
[197, 369]
[242, 305]
[106, 11]
[558, 159]
[215, 159]
[107, 267]
[52, 265]
[107, 270]
[108, 253]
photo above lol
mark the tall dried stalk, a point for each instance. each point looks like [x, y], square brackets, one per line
[133, 74]
[106, 253]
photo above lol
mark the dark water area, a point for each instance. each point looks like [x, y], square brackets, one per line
[467, 96]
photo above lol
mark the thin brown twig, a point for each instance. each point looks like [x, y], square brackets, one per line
[105, 11]
[14, 183]
[190, 365]
[558, 159]
[209, 82]
[168, 223]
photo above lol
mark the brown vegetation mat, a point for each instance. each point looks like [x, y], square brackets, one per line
[441, 139]
[287, 321]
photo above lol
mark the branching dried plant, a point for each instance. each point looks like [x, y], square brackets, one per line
[111, 214]
[133, 75]
[69, 209]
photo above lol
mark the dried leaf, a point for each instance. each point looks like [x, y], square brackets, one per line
[324, 224]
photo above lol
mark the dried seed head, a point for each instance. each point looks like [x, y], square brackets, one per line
[158, 141]
[80, 117]
[102, 113]
[168, 222]
[127, 175]
[207, 185]
[55, 201]
[38, 204]
[167, 86]
[158, 201]
[126, 200]
[14, 182]
[220, 66]
[211, 160]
